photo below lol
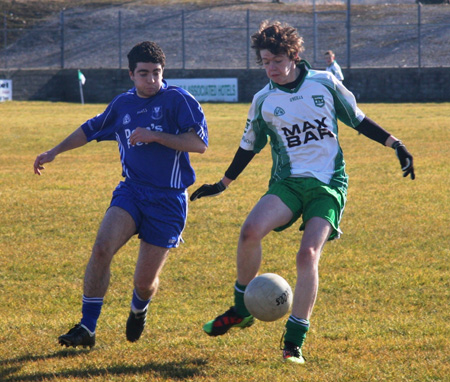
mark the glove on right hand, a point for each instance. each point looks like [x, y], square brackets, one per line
[208, 190]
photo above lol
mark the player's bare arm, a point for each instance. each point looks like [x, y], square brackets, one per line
[73, 141]
[188, 142]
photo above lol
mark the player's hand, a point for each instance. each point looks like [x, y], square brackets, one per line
[208, 190]
[46, 157]
[405, 158]
[141, 135]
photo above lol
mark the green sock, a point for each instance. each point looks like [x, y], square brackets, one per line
[239, 300]
[296, 329]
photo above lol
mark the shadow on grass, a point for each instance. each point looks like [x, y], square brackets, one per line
[179, 370]
[60, 354]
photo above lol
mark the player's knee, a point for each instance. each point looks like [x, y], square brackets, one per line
[146, 288]
[308, 258]
[101, 251]
[250, 232]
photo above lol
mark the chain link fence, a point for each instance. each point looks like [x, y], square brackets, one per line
[362, 36]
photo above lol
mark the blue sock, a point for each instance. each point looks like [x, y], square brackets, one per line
[137, 304]
[92, 306]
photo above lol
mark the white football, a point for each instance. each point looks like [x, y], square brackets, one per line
[268, 297]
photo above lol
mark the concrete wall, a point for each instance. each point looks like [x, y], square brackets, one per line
[399, 84]
[368, 85]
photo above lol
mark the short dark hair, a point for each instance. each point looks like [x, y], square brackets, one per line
[278, 39]
[146, 51]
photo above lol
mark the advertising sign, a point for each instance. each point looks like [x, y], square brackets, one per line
[209, 89]
[5, 90]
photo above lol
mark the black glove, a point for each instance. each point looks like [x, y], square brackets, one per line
[405, 158]
[208, 190]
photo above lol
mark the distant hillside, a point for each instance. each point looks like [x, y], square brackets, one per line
[215, 32]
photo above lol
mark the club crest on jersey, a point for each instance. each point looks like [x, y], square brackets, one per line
[319, 101]
[127, 119]
[157, 112]
[278, 112]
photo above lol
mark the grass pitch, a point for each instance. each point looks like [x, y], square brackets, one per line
[383, 308]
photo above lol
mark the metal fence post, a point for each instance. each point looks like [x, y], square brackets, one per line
[120, 39]
[248, 38]
[62, 38]
[5, 40]
[183, 57]
[419, 37]
[349, 34]
[315, 31]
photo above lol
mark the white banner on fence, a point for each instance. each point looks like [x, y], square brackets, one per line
[5, 90]
[209, 89]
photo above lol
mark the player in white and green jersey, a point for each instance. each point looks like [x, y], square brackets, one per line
[298, 110]
[333, 66]
[302, 125]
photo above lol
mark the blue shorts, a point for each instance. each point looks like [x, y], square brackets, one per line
[160, 214]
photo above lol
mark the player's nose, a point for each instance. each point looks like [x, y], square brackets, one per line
[272, 65]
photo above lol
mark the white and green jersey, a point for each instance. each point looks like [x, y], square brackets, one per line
[302, 126]
[336, 70]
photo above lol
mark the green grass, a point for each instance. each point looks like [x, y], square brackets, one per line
[383, 308]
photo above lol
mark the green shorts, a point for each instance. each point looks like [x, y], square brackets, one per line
[309, 197]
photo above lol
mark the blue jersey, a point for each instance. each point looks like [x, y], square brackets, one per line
[172, 110]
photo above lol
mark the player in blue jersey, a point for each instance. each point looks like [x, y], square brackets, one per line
[155, 126]
[298, 110]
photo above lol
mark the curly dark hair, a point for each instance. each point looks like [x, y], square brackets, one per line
[278, 38]
[146, 51]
